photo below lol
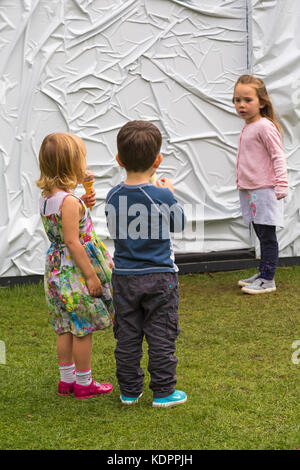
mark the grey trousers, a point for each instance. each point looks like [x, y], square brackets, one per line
[146, 305]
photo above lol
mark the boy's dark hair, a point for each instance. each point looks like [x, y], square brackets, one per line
[138, 145]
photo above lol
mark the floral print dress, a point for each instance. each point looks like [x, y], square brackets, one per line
[71, 307]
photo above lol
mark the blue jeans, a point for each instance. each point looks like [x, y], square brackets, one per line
[268, 250]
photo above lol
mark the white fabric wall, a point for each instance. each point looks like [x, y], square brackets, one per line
[276, 59]
[89, 66]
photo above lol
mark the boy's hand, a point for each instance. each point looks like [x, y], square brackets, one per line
[89, 199]
[165, 183]
[94, 286]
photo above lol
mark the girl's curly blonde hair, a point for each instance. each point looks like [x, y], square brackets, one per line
[62, 161]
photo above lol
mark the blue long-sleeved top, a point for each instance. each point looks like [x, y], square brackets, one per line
[140, 219]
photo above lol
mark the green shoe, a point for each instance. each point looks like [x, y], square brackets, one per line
[176, 398]
[129, 400]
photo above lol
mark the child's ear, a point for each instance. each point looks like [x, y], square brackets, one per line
[118, 160]
[157, 161]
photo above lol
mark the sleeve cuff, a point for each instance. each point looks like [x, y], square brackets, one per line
[281, 191]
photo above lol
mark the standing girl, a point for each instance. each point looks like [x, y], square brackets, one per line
[77, 275]
[261, 176]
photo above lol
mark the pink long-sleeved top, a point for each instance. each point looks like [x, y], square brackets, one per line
[261, 162]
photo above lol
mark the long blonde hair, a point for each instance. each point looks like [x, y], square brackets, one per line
[267, 111]
[62, 161]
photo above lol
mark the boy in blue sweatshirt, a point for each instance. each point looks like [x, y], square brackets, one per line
[140, 217]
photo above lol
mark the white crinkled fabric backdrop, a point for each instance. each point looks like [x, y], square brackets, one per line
[89, 66]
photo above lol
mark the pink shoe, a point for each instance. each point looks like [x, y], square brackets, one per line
[65, 388]
[92, 390]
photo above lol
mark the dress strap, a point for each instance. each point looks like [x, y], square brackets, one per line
[51, 205]
[45, 204]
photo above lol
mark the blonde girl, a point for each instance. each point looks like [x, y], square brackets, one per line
[77, 274]
[261, 176]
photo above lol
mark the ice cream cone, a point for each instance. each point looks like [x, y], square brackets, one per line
[88, 183]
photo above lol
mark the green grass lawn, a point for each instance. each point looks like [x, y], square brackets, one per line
[235, 364]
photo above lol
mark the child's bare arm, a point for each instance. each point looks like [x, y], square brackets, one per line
[70, 213]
